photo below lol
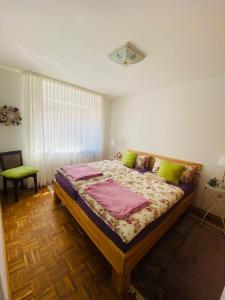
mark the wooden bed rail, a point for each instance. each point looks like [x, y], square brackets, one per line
[111, 252]
[122, 262]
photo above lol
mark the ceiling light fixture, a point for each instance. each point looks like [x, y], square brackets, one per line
[126, 55]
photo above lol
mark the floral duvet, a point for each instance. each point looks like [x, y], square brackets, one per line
[161, 195]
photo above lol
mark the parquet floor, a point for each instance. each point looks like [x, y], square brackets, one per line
[48, 255]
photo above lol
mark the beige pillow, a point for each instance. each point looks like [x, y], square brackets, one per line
[156, 166]
[187, 174]
[142, 161]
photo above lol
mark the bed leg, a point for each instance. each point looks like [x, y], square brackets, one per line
[56, 199]
[120, 282]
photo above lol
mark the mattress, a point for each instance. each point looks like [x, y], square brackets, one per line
[69, 189]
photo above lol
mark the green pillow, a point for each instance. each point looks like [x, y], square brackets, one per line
[129, 159]
[19, 172]
[170, 171]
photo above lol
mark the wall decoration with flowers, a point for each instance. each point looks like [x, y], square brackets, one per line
[10, 115]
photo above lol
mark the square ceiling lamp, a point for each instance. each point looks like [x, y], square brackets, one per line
[126, 55]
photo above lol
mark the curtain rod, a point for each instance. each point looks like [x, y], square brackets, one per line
[10, 69]
[52, 78]
[62, 81]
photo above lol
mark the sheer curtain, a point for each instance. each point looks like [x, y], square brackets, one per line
[63, 124]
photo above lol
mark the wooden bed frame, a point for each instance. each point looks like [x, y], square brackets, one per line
[123, 262]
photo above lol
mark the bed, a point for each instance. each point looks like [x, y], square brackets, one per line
[123, 252]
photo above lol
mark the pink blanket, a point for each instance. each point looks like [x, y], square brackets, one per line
[118, 200]
[81, 172]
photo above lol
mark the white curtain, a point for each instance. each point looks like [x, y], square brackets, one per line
[63, 125]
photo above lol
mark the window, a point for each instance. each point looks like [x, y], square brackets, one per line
[63, 124]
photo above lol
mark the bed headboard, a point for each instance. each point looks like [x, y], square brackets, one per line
[153, 156]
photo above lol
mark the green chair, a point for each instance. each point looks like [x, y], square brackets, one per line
[14, 171]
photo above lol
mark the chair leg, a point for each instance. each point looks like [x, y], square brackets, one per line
[15, 186]
[35, 183]
[5, 191]
[21, 184]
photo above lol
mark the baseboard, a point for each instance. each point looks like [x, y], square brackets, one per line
[211, 218]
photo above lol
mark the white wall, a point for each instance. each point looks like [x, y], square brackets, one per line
[10, 94]
[186, 122]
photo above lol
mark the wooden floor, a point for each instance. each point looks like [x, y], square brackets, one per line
[48, 255]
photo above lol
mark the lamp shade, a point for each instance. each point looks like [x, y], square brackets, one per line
[113, 142]
[221, 161]
[127, 54]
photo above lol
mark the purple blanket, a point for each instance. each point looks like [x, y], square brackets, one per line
[78, 172]
[118, 200]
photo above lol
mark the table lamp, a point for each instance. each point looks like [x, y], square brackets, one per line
[221, 163]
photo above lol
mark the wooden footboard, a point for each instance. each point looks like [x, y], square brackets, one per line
[122, 263]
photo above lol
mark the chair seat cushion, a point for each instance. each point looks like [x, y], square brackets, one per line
[19, 172]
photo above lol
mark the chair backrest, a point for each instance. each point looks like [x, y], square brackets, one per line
[11, 159]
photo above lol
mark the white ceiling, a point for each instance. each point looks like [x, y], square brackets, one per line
[184, 41]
